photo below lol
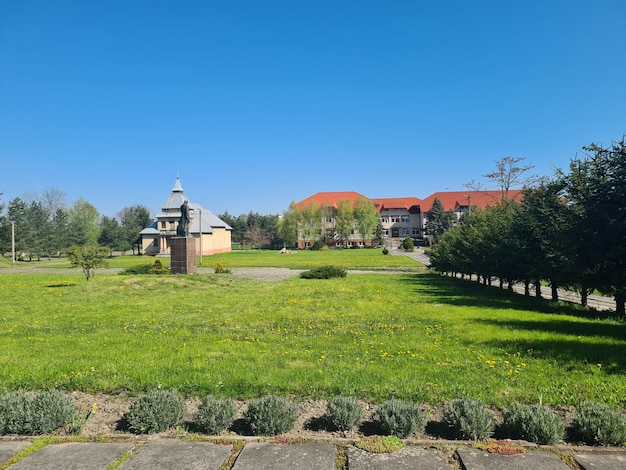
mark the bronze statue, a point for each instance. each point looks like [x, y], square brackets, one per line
[183, 225]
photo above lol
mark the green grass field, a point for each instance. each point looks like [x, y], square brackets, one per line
[416, 336]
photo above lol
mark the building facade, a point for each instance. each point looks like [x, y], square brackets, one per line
[400, 218]
[211, 233]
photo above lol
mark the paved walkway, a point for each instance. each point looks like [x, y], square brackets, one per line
[176, 454]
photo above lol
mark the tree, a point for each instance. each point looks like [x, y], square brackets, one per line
[84, 223]
[112, 234]
[510, 173]
[310, 222]
[365, 218]
[257, 236]
[288, 227]
[439, 221]
[133, 220]
[344, 220]
[379, 237]
[88, 258]
[596, 190]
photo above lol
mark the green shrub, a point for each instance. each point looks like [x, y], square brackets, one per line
[220, 269]
[468, 419]
[318, 245]
[407, 244]
[344, 413]
[599, 424]
[385, 251]
[324, 272]
[137, 269]
[35, 414]
[156, 411]
[270, 416]
[158, 268]
[533, 423]
[401, 418]
[325, 248]
[215, 414]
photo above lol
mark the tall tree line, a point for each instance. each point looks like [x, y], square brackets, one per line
[569, 231]
[46, 226]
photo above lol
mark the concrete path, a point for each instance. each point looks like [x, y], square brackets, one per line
[176, 454]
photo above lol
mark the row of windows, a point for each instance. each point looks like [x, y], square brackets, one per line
[403, 219]
[405, 232]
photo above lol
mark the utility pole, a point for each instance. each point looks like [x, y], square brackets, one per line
[200, 224]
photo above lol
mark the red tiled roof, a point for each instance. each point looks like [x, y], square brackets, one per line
[452, 200]
[396, 203]
[331, 198]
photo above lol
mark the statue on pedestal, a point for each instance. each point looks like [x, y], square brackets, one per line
[185, 218]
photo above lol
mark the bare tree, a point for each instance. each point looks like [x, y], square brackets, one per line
[510, 173]
[257, 236]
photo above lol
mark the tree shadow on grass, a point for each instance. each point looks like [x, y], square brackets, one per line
[464, 293]
[609, 351]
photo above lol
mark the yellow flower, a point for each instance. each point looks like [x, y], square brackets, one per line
[94, 407]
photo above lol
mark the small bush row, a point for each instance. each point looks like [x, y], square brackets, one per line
[324, 272]
[35, 413]
[159, 410]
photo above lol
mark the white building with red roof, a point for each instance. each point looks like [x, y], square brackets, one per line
[400, 217]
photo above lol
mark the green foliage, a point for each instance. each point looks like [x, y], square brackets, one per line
[137, 269]
[35, 413]
[158, 268]
[344, 413]
[401, 418]
[407, 244]
[318, 245]
[381, 444]
[215, 414]
[324, 272]
[385, 251]
[270, 416]
[439, 221]
[88, 258]
[220, 269]
[533, 423]
[468, 419]
[599, 424]
[156, 411]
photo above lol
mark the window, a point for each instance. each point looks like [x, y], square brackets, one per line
[405, 232]
[163, 225]
[405, 219]
[386, 232]
[395, 218]
[384, 220]
[416, 231]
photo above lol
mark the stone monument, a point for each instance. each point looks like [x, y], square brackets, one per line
[183, 247]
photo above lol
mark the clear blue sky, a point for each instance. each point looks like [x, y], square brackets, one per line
[259, 103]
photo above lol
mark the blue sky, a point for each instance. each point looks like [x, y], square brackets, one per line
[259, 103]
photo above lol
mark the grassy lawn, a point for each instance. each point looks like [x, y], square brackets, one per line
[416, 336]
[306, 259]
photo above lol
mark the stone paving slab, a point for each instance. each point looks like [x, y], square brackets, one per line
[476, 459]
[73, 456]
[600, 460]
[267, 456]
[409, 458]
[165, 454]
[9, 448]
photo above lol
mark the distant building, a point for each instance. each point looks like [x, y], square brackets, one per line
[212, 234]
[400, 217]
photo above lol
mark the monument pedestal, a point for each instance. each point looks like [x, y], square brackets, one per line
[183, 255]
